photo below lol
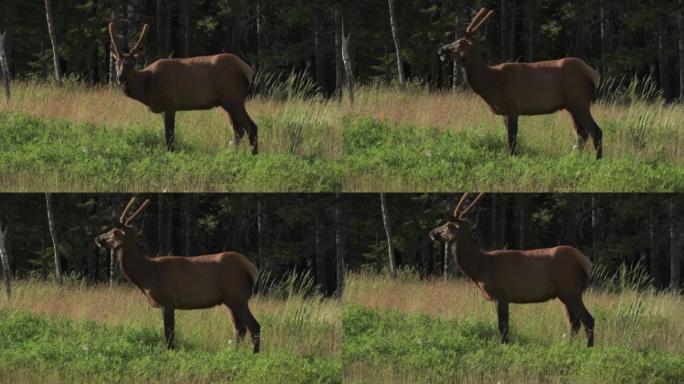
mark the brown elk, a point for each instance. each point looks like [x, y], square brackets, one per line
[194, 83]
[174, 282]
[525, 89]
[510, 276]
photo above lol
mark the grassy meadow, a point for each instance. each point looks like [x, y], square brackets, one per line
[76, 333]
[78, 138]
[411, 331]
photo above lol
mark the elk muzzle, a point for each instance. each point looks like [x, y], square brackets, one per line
[445, 51]
[101, 241]
[437, 234]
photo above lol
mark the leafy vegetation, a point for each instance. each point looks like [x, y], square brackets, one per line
[396, 334]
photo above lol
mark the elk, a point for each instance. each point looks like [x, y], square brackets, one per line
[194, 83]
[511, 276]
[175, 282]
[525, 89]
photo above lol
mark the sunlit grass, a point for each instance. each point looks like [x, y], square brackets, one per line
[411, 140]
[307, 329]
[444, 331]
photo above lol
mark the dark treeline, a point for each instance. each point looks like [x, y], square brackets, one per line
[313, 233]
[621, 38]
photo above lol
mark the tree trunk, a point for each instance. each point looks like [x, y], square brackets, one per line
[339, 71]
[188, 212]
[522, 220]
[160, 224]
[676, 242]
[4, 67]
[349, 75]
[603, 20]
[663, 67]
[447, 258]
[681, 51]
[321, 264]
[340, 242]
[504, 41]
[167, 30]
[112, 59]
[112, 267]
[160, 39]
[397, 45]
[4, 258]
[260, 33]
[595, 227]
[456, 81]
[495, 219]
[653, 247]
[532, 29]
[53, 235]
[185, 14]
[501, 223]
[511, 36]
[426, 253]
[53, 40]
[388, 233]
[320, 55]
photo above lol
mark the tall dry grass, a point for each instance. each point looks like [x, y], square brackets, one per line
[637, 319]
[304, 326]
[633, 119]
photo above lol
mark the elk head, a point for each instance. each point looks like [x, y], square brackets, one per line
[125, 62]
[463, 48]
[457, 228]
[122, 233]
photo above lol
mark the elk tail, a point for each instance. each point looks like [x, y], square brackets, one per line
[247, 71]
[593, 76]
[251, 270]
[584, 262]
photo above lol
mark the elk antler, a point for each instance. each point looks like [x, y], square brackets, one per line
[137, 47]
[140, 209]
[479, 20]
[460, 204]
[128, 206]
[475, 20]
[112, 37]
[477, 200]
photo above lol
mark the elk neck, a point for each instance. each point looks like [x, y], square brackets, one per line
[469, 258]
[137, 84]
[477, 73]
[137, 268]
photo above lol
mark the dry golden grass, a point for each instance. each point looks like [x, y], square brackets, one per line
[647, 130]
[638, 320]
[306, 327]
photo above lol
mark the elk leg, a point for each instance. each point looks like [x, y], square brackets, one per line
[169, 326]
[238, 131]
[582, 135]
[242, 116]
[253, 134]
[573, 320]
[245, 316]
[239, 329]
[577, 307]
[502, 316]
[587, 122]
[169, 125]
[512, 126]
[596, 137]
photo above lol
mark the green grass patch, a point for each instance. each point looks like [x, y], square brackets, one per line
[418, 348]
[403, 157]
[42, 154]
[83, 351]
